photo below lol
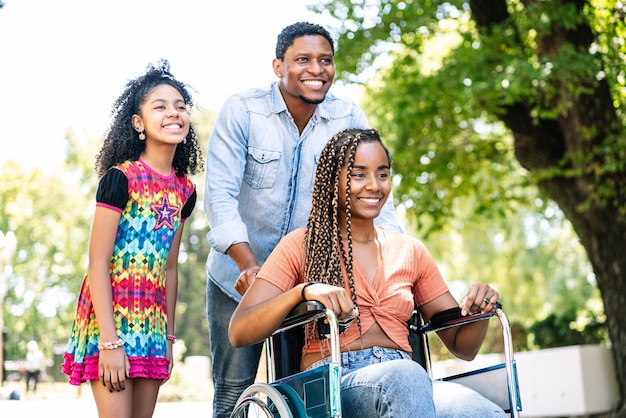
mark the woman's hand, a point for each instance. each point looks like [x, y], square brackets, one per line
[113, 369]
[480, 298]
[464, 341]
[334, 298]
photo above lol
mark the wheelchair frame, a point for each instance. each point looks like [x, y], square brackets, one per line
[316, 393]
[313, 393]
[510, 401]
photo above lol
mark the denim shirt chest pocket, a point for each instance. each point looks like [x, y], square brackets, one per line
[261, 167]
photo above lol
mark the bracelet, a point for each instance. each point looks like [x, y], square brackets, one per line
[172, 338]
[307, 284]
[110, 345]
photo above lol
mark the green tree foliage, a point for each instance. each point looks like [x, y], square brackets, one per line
[556, 327]
[48, 215]
[461, 87]
[537, 264]
[191, 322]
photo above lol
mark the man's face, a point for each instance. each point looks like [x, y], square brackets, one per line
[307, 71]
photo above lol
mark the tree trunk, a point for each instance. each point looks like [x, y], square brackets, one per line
[573, 141]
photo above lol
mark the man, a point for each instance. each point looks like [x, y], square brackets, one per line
[262, 158]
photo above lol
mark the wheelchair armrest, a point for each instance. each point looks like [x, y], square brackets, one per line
[452, 318]
[302, 312]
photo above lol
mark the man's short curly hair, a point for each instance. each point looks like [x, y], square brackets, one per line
[297, 30]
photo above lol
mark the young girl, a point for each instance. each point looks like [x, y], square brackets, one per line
[123, 331]
[344, 261]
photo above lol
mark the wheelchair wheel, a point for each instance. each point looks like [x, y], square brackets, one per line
[261, 401]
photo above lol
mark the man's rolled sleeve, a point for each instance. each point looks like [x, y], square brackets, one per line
[226, 159]
[229, 233]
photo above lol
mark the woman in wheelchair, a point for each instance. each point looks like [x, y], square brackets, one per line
[346, 262]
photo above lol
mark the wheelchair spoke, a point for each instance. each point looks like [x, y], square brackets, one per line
[261, 401]
[252, 408]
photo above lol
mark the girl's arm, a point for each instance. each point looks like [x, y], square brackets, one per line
[113, 364]
[463, 341]
[171, 289]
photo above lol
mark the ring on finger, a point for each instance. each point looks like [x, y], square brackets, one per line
[487, 300]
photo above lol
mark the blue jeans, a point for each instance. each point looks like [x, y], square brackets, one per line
[233, 369]
[400, 387]
[454, 400]
[382, 382]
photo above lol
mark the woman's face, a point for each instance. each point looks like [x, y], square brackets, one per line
[370, 181]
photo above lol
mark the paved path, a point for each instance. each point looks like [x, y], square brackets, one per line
[84, 407]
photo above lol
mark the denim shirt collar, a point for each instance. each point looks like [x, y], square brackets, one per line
[279, 105]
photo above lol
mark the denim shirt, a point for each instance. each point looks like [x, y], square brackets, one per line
[260, 173]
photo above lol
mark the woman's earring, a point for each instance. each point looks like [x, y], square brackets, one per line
[142, 136]
[185, 140]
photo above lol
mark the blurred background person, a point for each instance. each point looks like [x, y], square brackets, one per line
[34, 367]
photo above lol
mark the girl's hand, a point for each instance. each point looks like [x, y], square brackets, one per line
[113, 369]
[480, 298]
[170, 357]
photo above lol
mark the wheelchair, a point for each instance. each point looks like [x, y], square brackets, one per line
[315, 393]
[293, 394]
[497, 382]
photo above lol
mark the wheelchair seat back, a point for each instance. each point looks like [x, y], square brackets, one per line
[287, 348]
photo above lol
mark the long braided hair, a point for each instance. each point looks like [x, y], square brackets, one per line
[323, 249]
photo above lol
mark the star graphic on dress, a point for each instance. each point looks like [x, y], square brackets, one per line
[165, 213]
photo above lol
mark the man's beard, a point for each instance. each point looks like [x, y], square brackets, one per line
[310, 101]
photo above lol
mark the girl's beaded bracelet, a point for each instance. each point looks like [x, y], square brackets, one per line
[110, 345]
[171, 338]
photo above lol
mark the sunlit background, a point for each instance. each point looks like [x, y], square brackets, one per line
[63, 63]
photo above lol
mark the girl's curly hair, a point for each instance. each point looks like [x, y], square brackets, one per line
[121, 142]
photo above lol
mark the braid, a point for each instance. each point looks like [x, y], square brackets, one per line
[320, 255]
[348, 258]
[321, 264]
[323, 248]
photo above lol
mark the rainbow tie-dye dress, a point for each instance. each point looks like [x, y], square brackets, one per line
[152, 207]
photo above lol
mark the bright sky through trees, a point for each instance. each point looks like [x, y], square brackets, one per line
[64, 62]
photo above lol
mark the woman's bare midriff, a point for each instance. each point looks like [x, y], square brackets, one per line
[374, 337]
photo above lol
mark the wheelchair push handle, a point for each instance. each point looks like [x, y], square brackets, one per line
[307, 311]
